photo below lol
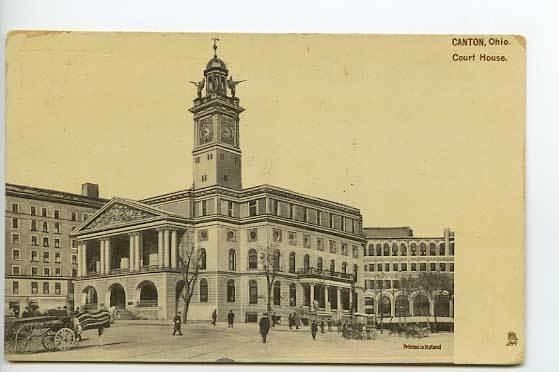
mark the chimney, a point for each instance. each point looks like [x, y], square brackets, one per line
[90, 190]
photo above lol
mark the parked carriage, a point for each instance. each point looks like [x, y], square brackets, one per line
[51, 332]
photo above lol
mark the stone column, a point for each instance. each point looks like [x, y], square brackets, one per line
[174, 248]
[312, 296]
[393, 307]
[132, 252]
[327, 299]
[431, 307]
[339, 299]
[140, 254]
[102, 255]
[166, 248]
[137, 257]
[160, 248]
[108, 255]
[84, 259]
[80, 259]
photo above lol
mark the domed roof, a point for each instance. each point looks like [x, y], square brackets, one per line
[216, 63]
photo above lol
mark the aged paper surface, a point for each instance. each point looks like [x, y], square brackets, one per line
[381, 197]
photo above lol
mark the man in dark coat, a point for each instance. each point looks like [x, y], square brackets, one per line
[314, 329]
[214, 316]
[322, 326]
[230, 318]
[177, 324]
[290, 321]
[264, 326]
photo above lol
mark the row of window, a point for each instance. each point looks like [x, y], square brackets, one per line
[35, 287]
[16, 270]
[221, 156]
[34, 256]
[34, 241]
[414, 250]
[403, 266]
[57, 213]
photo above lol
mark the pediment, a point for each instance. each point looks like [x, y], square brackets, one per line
[118, 212]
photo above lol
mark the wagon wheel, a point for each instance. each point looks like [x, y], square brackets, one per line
[28, 338]
[48, 339]
[64, 339]
[10, 339]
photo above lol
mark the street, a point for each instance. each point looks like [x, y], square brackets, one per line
[151, 341]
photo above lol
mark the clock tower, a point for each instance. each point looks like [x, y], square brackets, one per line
[216, 153]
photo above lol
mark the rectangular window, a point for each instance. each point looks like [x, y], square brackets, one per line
[57, 271]
[319, 244]
[45, 241]
[44, 212]
[451, 267]
[34, 271]
[15, 287]
[57, 288]
[413, 266]
[15, 207]
[74, 243]
[230, 209]
[252, 208]
[404, 266]
[204, 178]
[15, 238]
[15, 223]
[74, 273]
[225, 178]
[34, 257]
[422, 267]
[56, 243]
[387, 284]
[57, 228]
[204, 207]
[379, 267]
[34, 240]
[442, 266]
[395, 267]
[332, 246]
[74, 259]
[210, 156]
[33, 210]
[46, 257]
[33, 225]
[46, 287]
[74, 216]
[46, 271]
[15, 254]
[15, 270]
[57, 214]
[34, 287]
[433, 266]
[197, 159]
[45, 227]
[371, 267]
[57, 257]
[355, 251]
[386, 267]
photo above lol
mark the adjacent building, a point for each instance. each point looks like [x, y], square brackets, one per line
[41, 258]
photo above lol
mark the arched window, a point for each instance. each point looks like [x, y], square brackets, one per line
[202, 259]
[371, 249]
[413, 249]
[432, 249]
[203, 290]
[403, 250]
[306, 262]
[45, 227]
[277, 293]
[319, 263]
[422, 249]
[344, 267]
[379, 249]
[394, 249]
[276, 260]
[292, 262]
[386, 249]
[355, 272]
[292, 294]
[332, 265]
[232, 260]
[230, 290]
[252, 292]
[252, 259]
[442, 249]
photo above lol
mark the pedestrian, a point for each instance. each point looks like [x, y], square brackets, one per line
[314, 329]
[339, 326]
[274, 319]
[264, 326]
[214, 316]
[230, 318]
[100, 333]
[297, 320]
[177, 324]
[322, 326]
[329, 324]
[26, 313]
[290, 321]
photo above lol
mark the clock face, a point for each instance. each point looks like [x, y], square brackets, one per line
[227, 134]
[206, 133]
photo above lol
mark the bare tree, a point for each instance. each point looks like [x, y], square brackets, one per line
[270, 261]
[407, 283]
[436, 284]
[188, 262]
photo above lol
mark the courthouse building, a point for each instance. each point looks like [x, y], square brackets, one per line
[128, 251]
[41, 259]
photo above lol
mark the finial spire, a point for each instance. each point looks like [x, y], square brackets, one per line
[215, 39]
